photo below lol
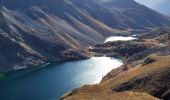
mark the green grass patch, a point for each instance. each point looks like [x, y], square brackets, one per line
[2, 75]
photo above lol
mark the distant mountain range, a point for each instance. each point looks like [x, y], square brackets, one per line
[35, 31]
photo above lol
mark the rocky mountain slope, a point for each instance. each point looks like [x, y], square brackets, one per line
[146, 68]
[130, 14]
[36, 31]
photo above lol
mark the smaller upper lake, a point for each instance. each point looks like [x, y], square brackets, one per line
[119, 38]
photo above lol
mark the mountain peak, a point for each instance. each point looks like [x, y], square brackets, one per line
[121, 3]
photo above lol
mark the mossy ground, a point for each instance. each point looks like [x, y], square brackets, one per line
[2, 75]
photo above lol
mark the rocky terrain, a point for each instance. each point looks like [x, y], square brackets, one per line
[154, 41]
[145, 70]
[33, 32]
[39, 31]
[129, 14]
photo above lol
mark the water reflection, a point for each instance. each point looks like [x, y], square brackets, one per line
[51, 82]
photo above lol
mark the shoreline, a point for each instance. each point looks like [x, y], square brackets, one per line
[142, 52]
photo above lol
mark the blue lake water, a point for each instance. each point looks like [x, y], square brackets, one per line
[120, 38]
[52, 81]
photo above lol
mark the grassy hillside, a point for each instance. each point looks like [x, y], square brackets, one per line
[152, 78]
[98, 92]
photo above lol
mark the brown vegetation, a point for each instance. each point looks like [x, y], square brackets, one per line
[151, 76]
[97, 92]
